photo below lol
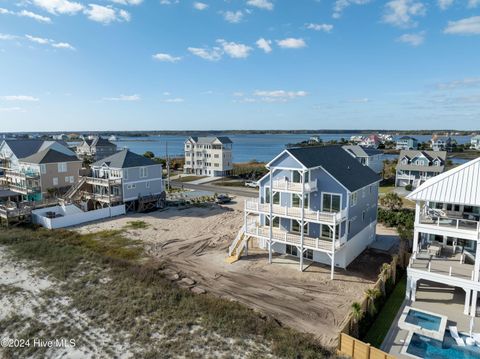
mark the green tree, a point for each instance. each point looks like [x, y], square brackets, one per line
[149, 154]
[357, 315]
[372, 294]
[392, 201]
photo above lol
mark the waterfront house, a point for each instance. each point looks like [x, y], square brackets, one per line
[446, 234]
[406, 143]
[96, 148]
[367, 156]
[35, 167]
[415, 167]
[373, 141]
[315, 203]
[123, 178]
[475, 142]
[438, 143]
[208, 156]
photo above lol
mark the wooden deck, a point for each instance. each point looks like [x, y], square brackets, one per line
[446, 265]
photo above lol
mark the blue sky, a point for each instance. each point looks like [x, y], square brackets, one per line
[239, 64]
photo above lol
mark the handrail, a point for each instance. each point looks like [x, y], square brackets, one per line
[236, 240]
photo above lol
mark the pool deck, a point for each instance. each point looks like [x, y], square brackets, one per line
[433, 298]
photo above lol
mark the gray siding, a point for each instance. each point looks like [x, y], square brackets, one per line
[154, 178]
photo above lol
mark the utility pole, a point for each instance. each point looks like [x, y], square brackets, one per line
[168, 165]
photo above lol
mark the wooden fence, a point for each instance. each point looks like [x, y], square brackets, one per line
[359, 350]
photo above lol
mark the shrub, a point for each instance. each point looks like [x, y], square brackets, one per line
[409, 187]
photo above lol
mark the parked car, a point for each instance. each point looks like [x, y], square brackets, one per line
[222, 199]
[253, 184]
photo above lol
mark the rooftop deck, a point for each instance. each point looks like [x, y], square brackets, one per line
[450, 222]
[448, 264]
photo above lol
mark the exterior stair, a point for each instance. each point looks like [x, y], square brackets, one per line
[72, 190]
[238, 246]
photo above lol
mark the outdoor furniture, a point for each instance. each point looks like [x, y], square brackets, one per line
[476, 337]
[454, 333]
[434, 249]
[470, 341]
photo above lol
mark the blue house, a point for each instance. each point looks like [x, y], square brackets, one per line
[407, 143]
[316, 203]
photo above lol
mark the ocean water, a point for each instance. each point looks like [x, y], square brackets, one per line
[247, 147]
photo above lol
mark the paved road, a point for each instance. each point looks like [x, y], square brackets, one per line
[244, 192]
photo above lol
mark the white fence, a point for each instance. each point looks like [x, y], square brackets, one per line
[72, 216]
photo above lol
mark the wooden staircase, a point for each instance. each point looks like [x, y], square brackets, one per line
[238, 246]
[73, 190]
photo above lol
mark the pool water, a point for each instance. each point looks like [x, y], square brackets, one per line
[428, 348]
[423, 320]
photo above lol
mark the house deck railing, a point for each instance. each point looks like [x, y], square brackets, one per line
[285, 185]
[439, 218]
[103, 181]
[294, 212]
[278, 235]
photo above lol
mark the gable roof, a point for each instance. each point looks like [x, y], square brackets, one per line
[125, 159]
[430, 155]
[407, 138]
[362, 151]
[24, 148]
[49, 155]
[460, 185]
[210, 139]
[338, 163]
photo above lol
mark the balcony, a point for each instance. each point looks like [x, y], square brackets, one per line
[22, 175]
[278, 235]
[101, 197]
[439, 220]
[105, 182]
[253, 205]
[23, 189]
[283, 185]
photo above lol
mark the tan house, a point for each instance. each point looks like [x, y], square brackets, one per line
[50, 170]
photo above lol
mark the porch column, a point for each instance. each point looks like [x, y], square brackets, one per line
[245, 232]
[414, 289]
[473, 311]
[302, 220]
[468, 296]
[408, 290]
[416, 234]
[332, 269]
[270, 220]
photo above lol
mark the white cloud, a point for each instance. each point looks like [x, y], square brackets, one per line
[59, 6]
[127, 98]
[412, 39]
[127, 2]
[24, 98]
[359, 100]
[174, 100]
[463, 83]
[11, 109]
[106, 14]
[7, 37]
[32, 15]
[473, 3]
[213, 54]
[233, 17]
[235, 50]
[44, 41]
[467, 26]
[199, 5]
[319, 27]
[400, 13]
[166, 93]
[261, 4]
[38, 40]
[278, 95]
[125, 15]
[291, 43]
[169, 2]
[4, 11]
[166, 57]
[340, 5]
[265, 45]
[444, 4]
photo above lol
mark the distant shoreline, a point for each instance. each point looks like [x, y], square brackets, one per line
[451, 132]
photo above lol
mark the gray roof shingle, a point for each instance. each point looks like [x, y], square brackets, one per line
[125, 159]
[49, 156]
[336, 161]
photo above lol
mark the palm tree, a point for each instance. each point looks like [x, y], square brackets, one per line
[372, 294]
[357, 315]
[384, 274]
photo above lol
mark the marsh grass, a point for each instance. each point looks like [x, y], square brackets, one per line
[138, 298]
[136, 225]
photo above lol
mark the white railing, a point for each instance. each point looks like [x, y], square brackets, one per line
[285, 185]
[295, 212]
[279, 235]
[237, 239]
[103, 181]
[434, 217]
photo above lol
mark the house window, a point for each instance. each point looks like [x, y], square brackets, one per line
[131, 186]
[295, 227]
[326, 232]
[147, 184]
[297, 178]
[353, 199]
[296, 199]
[43, 169]
[125, 173]
[292, 250]
[275, 222]
[331, 202]
[62, 167]
[308, 254]
[55, 181]
[143, 172]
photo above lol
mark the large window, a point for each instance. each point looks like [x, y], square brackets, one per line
[292, 250]
[276, 196]
[296, 227]
[331, 202]
[275, 222]
[353, 199]
[308, 254]
[327, 233]
[297, 178]
[296, 199]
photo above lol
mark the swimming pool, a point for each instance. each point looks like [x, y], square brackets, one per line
[428, 348]
[423, 320]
